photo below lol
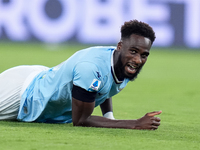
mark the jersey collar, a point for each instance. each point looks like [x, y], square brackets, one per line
[113, 70]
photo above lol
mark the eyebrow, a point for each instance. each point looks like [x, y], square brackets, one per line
[139, 49]
[145, 52]
[134, 47]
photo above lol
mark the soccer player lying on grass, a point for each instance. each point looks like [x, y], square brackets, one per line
[69, 92]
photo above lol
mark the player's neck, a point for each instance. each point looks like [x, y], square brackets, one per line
[117, 64]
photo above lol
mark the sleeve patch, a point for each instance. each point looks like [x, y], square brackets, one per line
[94, 87]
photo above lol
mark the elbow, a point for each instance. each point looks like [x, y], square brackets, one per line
[79, 122]
[83, 121]
[76, 123]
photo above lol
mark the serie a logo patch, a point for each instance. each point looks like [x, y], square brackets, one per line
[94, 86]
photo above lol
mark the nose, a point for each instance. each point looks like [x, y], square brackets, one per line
[137, 59]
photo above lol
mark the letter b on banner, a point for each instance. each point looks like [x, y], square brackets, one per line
[102, 22]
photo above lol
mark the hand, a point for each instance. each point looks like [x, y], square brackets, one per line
[148, 121]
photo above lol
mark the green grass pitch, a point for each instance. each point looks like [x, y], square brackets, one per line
[169, 82]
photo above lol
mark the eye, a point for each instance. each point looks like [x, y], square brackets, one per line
[133, 51]
[144, 55]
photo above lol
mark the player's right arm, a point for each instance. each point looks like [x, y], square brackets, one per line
[82, 115]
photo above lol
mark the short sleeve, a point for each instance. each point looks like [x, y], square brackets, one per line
[87, 76]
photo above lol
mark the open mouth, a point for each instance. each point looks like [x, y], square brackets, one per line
[131, 69]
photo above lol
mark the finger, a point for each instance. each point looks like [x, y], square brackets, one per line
[151, 114]
[154, 127]
[155, 123]
[156, 119]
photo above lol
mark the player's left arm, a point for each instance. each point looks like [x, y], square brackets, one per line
[107, 108]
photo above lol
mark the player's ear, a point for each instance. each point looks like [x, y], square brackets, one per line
[119, 45]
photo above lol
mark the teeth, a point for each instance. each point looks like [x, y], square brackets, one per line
[132, 66]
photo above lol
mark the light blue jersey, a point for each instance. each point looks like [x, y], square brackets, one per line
[48, 98]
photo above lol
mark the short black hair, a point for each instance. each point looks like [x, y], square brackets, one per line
[138, 28]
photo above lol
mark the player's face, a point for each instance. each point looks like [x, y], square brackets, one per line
[133, 55]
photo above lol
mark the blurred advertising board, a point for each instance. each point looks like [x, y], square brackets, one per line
[176, 22]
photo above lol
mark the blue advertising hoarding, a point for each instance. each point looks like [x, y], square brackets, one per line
[176, 22]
